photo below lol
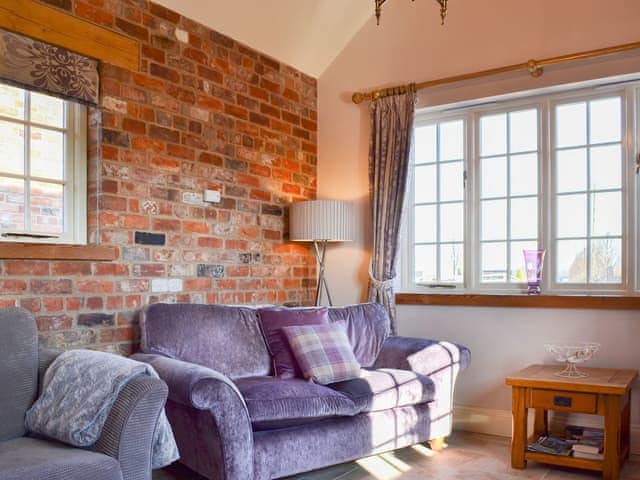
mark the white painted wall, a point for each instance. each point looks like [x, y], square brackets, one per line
[411, 46]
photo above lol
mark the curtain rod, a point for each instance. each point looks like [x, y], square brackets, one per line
[535, 68]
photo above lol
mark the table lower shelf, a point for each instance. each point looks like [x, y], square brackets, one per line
[568, 461]
[565, 461]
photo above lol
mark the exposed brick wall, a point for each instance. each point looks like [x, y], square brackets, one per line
[203, 111]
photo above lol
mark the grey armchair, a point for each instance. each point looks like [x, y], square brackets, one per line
[123, 451]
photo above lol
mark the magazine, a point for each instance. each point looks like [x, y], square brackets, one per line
[550, 445]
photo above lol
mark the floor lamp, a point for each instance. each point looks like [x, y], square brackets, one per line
[321, 222]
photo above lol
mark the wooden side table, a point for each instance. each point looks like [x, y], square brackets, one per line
[605, 392]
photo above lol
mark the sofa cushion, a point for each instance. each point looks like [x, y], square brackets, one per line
[18, 369]
[32, 458]
[323, 352]
[368, 326]
[272, 320]
[275, 402]
[224, 338]
[386, 388]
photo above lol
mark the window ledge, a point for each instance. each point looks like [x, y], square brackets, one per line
[607, 302]
[48, 251]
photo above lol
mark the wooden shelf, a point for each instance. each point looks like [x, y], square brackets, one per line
[48, 251]
[563, 461]
[608, 302]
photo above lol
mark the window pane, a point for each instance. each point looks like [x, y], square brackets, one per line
[571, 170]
[11, 102]
[47, 110]
[571, 260]
[494, 262]
[524, 174]
[425, 184]
[605, 118]
[46, 207]
[425, 224]
[494, 177]
[606, 214]
[606, 167]
[493, 135]
[425, 264]
[451, 181]
[452, 222]
[524, 218]
[523, 132]
[571, 124]
[451, 263]
[47, 153]
[451, 140]
[572, 215]
[11, 204]
[425, 144]
[494, 220]
[605, 261]
[11, 148]
[518, 271]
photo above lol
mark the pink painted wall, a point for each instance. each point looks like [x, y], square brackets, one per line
[410, 45]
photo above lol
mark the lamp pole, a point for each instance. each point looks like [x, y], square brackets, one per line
[321, 251]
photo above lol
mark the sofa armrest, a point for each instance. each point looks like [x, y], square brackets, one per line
[427, 357]
[204, 389]
[127, 434]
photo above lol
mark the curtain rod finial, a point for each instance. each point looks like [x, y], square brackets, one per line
[357, 98]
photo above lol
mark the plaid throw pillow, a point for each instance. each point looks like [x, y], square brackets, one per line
[323, 352]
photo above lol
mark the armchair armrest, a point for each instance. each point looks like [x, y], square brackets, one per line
[197, 387]
[427, 357]
[127, 434]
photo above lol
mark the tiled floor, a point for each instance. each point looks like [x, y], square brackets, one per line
[468, 456]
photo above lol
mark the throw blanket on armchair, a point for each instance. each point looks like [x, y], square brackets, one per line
[78, 390]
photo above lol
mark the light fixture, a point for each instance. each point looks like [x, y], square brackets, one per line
[321, 222]
[442, 3]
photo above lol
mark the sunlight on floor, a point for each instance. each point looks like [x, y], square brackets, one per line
[380, 469]
[422, 450]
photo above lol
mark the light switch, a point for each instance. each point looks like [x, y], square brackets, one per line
[212, 196]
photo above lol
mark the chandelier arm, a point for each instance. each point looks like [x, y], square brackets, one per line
[379, 3]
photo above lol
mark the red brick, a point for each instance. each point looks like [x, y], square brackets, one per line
[94, 286]
[194, 227]
[132, 29]
[32, 304]
[135, 221]
[53, 322]
[25, 267]
[49, 286]
[237, 112]
[70, 268]
[95, 303]
[93, 14]
[113, 269]
[210, 242]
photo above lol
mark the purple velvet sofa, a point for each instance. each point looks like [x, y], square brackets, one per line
[233, 421]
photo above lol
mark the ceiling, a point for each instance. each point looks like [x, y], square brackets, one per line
[306, 34]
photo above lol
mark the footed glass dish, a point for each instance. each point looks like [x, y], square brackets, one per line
[572, 354]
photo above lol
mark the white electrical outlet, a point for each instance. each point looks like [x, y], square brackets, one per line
[212, 196]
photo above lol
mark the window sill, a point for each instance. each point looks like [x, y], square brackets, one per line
[48, 251]
[605, 302]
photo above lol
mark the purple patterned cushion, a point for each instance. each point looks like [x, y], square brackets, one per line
[272, 320]
[323, 352]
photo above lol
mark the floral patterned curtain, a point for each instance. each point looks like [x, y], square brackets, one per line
[389, 155]
[40, 66]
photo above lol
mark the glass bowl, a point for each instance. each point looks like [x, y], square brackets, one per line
[571, 354]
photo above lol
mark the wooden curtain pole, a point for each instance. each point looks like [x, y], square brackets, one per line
[535, 68]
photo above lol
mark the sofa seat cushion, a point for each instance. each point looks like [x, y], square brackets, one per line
[386, 388]
[278, 403]
[30, 458]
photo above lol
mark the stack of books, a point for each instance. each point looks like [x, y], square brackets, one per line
[585, 442]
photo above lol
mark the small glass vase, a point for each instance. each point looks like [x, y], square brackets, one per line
[534, 261]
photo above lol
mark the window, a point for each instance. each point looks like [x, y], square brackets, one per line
[42, 168]
[552, 172]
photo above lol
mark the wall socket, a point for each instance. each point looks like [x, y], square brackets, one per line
[212, 196]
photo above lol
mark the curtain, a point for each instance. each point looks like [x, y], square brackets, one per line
[389, 154]
[39, 66]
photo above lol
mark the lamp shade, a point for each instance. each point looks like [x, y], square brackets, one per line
[330, 220]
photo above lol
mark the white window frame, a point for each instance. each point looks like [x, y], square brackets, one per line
[545, 102]
[75, 178]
